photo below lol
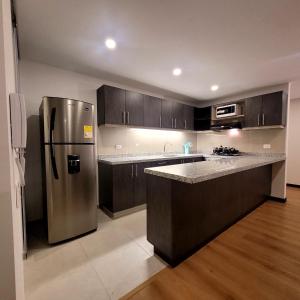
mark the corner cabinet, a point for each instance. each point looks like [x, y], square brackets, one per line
[266, 110]
[117, 106]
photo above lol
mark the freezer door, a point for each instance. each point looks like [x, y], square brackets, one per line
[67, 121]
[71, 191]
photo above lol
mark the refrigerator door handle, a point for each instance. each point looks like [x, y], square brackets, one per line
[52, 155]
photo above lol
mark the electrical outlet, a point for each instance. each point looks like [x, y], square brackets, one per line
[118, 147]
[267, 146]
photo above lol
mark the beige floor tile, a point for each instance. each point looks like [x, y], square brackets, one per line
[44, 265]
[137, 275]
[113, 267]
[142, 242]
[80, 284]
[106, 263]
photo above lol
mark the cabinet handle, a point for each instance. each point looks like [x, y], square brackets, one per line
[172, 123]
[160, 121]
[123, 117]
[128, 117]
[175, 122]
[258, 117]
[184, 124]
[263, 119]
[131, 170]
[136, 171]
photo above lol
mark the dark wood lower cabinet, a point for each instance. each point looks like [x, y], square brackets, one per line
[124, 186]
[183, 217]
[140, 183]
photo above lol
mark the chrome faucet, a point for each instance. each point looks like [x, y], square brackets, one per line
[165, 146]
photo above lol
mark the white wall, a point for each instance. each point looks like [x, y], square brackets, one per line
[11, 263]
[293, 161]
[38, 80]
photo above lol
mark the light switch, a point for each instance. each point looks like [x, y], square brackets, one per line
[118, 147]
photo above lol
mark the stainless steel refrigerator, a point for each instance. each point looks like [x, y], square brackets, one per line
[69, 167]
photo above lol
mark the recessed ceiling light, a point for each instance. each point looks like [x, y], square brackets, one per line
[177, 71]
[214, 87]
[110, 43]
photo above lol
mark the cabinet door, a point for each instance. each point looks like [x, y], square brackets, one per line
[272, 105]
[201, 158]
[140, 183]
[202, 118]
[152, 111]
[188, 160]
[178, 115]
[123, 187]
[188, 117]
[134, 108]
[114, 99]
[166, 114]
[253, 108]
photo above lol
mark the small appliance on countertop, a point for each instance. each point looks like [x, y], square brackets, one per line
[226, 151]
[187, 147]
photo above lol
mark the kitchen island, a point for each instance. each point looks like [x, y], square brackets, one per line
[190, 204]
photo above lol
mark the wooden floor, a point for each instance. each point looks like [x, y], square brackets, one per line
[257, 258]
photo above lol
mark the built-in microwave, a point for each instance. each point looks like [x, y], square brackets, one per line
[229, 110]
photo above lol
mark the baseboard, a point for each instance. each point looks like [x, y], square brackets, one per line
[277, 199]
[293, 185]
[122, 213]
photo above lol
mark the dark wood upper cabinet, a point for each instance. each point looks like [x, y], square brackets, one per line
[167, 120]
[202, 118]
[110, 105]
[188, 117]
[266, 110]
[274, 109]
[134, 108]
[152, 111]
[178, 115]
[123, 107]
[253, 108]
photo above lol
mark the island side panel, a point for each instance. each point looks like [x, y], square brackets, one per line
[193, 214]
[159, 215]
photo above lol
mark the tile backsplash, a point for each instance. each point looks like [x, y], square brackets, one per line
[245, 140]
[123, 140]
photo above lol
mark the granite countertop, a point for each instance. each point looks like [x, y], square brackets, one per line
[126, 159]
[206, 170]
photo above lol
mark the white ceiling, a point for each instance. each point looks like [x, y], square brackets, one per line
[237, 44]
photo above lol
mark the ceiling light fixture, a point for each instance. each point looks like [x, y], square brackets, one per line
[110, 43]
[177, 71]
[214, 87]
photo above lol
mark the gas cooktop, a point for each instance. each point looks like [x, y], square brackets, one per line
[226, 151]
